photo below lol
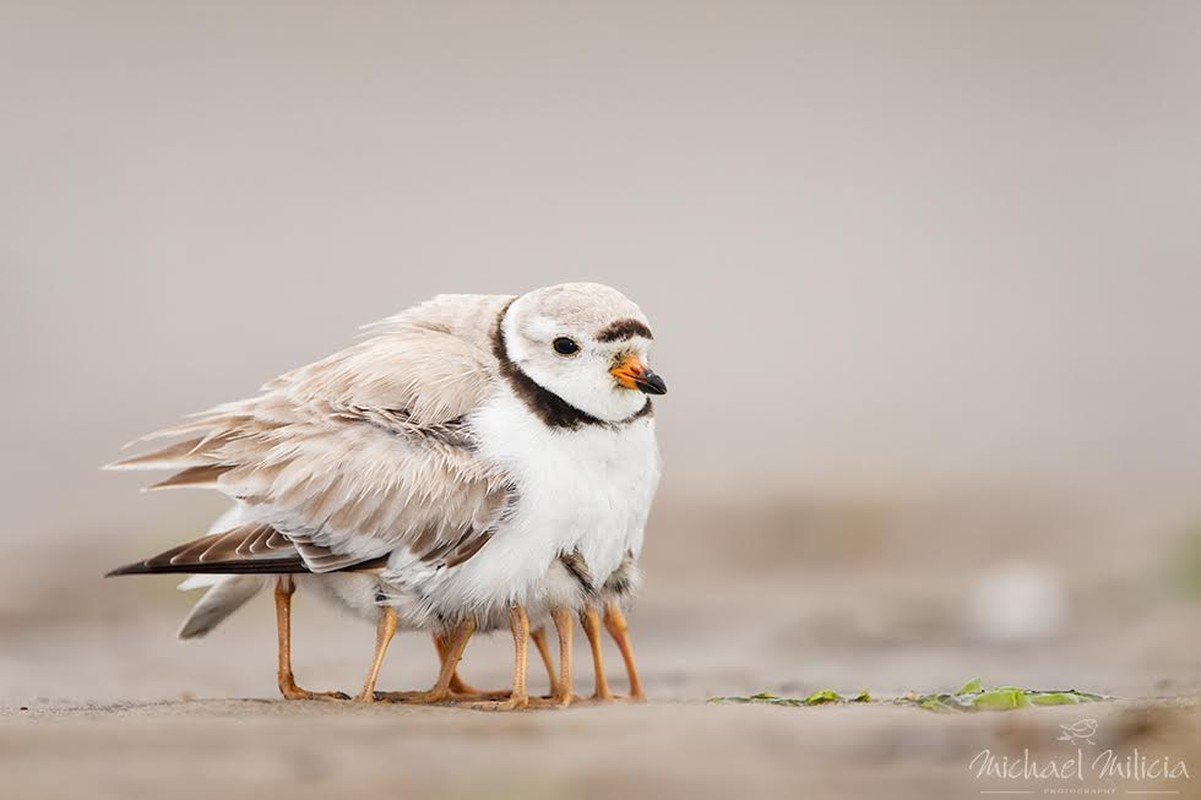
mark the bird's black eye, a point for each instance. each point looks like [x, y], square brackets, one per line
[565, 347]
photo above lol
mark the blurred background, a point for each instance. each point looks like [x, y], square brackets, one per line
[924, 278]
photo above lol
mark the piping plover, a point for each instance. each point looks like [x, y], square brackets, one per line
[480, 455]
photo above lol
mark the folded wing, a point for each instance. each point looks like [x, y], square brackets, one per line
[339, 463]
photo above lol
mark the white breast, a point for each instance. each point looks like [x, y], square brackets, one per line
[587, 489]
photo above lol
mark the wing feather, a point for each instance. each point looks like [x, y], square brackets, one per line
[200, 475]
[218, 552]
[362, 453]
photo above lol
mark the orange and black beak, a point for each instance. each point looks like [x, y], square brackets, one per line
[631, 373]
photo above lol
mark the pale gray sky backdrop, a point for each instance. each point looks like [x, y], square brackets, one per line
[887, 247]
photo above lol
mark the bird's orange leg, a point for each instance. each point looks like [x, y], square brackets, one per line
[457, 685]
[591, 623]
[539, 637]
[284, 587]
[519, 624]
[450, 663]
[384, 631]
[565, 627]
[615, 623]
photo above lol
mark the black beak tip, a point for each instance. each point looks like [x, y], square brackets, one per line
[650, 383]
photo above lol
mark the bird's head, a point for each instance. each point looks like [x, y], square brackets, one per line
[585, 343]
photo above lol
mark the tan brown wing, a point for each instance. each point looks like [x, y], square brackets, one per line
[367, 451]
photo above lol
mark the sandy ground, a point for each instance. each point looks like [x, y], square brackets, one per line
[242, 748]
[108, 705]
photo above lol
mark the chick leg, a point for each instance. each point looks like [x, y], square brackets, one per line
[539, 637]
[615, 623]
[565, 627]
[519, 624]
[450, 663]
[591, 623]
[384, 631]
[284, 587]
[442, 643]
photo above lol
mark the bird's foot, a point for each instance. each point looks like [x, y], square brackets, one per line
[428, 697]
[296, 693]
[512, 704]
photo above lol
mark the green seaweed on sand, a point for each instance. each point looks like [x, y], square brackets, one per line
[972, 696]
[818, 698]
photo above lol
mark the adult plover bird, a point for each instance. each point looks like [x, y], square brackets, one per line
[480, 456]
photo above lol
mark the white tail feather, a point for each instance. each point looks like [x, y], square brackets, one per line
[227, 594]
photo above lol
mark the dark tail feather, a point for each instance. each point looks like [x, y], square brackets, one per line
[258, 566]
[225, 553]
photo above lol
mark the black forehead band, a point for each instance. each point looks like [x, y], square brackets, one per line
[624, 329]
